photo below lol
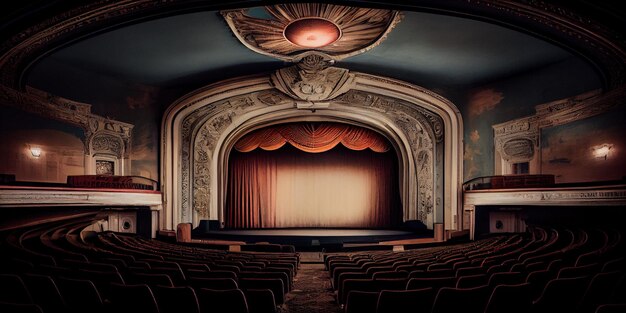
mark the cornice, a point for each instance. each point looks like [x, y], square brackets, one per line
[602, 46]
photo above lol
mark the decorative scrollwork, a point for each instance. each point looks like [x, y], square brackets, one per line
[266, 35]
[106, 143]
[313, 79]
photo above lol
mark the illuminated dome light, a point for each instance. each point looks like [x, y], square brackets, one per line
[312, 32]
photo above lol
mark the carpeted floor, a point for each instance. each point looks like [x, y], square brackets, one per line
[312, 292]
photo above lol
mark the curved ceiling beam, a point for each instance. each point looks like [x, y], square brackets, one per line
[599, 44]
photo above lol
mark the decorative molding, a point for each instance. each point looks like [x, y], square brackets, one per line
[313, 79]
[72, 112]
[266, 36]
[596, 196]
[423, 129]
[389, 105]
[105, 143]
[606, 47]
[199, 130]
[572, 196]
[71, 197]
[518, 140]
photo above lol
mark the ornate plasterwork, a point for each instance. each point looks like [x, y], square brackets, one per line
[361, 28]
[313, 79]
[72, 112]
[423, 130]
[518, 140]
[202, 129]
[106, 143]
[604, 46]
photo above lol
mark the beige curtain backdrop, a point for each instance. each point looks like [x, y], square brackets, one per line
[292, 188]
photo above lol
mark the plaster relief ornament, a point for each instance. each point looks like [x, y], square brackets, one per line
[291, 29]
[313, 79]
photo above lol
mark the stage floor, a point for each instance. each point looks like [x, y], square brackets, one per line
[316, 239]
[312, 232]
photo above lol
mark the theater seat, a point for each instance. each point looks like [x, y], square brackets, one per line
[405, 301]
[273, 284]
[561, 295]
[13, 290]
[222, 301]
[466, 300]
[45, 292]
[510, 299]
[132, 299]
[260, 300]
[611, 308]
[361, 302]
[79, 294]
[176, 299]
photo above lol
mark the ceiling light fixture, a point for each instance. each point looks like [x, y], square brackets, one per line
[312, 32]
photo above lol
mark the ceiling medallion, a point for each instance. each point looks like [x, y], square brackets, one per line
[312, 32]
[290, 30]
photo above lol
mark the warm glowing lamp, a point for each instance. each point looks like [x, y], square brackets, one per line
[312, 32]
[602, 152]
[35, 151]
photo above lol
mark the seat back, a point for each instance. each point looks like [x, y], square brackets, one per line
[361, 302]
[510, 298]
[597, 291]
[213, 283]
[132, 299]
[79, 294]
[176, 299]
[149, 279]
[611, 308]
[561, 295]
[405, 301]
[13, 290]
[469, 300]
[472, 281]
[273, 284]
[260, 300]
[45, 292]
[435, 283]
[506, 278]
[222, 301]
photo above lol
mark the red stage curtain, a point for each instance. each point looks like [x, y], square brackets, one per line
[292, 188]
[313, 137]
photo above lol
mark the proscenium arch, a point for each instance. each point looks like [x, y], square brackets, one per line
[216, 98]
[405, 158]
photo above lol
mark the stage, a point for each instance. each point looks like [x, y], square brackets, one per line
[321, 239]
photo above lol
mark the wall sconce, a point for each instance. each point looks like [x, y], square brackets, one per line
[35, 151]
[602, 151]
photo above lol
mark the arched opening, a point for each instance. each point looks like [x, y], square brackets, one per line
[314, 174]
[201, 129]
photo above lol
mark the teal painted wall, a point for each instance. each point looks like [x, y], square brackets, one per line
[512, 98]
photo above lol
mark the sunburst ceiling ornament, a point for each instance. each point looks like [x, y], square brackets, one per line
[293, 29]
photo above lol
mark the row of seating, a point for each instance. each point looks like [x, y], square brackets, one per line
[55, 267]
[560, 269]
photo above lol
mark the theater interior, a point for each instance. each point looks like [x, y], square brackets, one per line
[335, 156]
